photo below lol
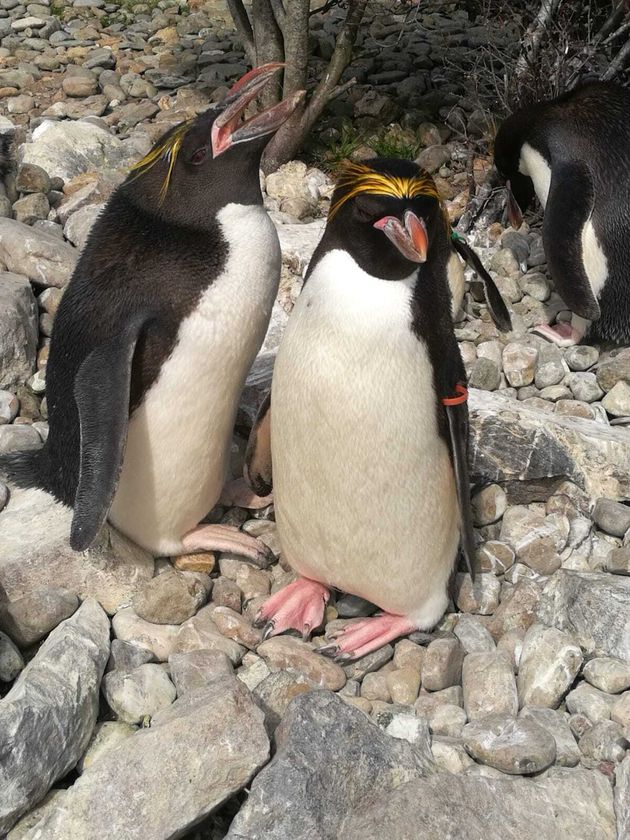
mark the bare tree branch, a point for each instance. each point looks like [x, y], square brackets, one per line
[244, 27]
[280, 12]
[535, 34]
[614, 35]
[269, 45]
[612, 22]
[618, 63]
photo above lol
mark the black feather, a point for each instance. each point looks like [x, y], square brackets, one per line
[496, 305]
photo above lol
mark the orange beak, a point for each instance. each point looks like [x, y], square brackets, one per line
[411, 240]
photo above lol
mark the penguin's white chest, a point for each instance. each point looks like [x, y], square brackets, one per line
[364, 488]
[179, 438]
[532, 163]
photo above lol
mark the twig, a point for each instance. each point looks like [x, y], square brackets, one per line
[618, 63]
[535, 34]
[340, 89]
[245, 30]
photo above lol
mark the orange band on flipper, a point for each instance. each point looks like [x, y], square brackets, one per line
[462, 396]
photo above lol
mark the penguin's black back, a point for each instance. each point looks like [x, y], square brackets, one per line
[133, 263]
[590, 123]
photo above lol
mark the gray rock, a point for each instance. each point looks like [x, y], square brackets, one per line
[479, 596]
[31, 208]
[329, 758]
[594, 704]
[517, 243]
[581, 357]
[172, 597]
[112, 570]
[158, 639]
[620, 711]
[49, 803]
[201, 632]
[617, 561]
[217, 730]
[442, 666]
[485, 374]
[433, 157]
[126, 657]
[30, 618]
[33, 252]
[198, 669]
[9, 407]
[556, 723]
[106, 736]
[276, 691]
[496, 557]
[489, 685]
[288, 652]
[612, 517]
[537, 540]
[564, 803]
[584, 387]
[4, 495]
[594, 607]
[78, 227]
[32, 179]
[18, 329]
[512, 745]
[47, 718]
[474, 637]
[511, 442]
[489, 504]
[622, 798]
[352, 606]
[17, 438]
[605, 741]
[11, 662]
[614, 370]
[550, 662]
[519, 363]
[67, 149]
[617, 400]
[608, 674]
[371, 662]
[141, 692]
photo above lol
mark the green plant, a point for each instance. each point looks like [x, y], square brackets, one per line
[341, 148]
[393, 145]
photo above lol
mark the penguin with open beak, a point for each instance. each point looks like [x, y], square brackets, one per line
[155, 334]
[573, 153]
[365, 434]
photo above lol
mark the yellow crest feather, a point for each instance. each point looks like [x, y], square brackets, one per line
[168, 150]
[358, 178]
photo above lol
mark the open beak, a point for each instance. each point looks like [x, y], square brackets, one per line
[230, 127]
[411, 240]
[514, 212]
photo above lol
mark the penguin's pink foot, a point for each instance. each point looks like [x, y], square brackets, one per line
[562, 334]
[362, 637]
[298, 606]
[239, 493]
[227, 538]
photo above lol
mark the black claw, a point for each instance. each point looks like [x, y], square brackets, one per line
[306, 632]
[344, 657]
[269, 627]
[329, 650]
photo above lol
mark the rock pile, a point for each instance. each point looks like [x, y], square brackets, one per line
[511, 717]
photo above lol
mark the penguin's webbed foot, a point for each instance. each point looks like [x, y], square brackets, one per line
[239, 493]
[562, 334]
[363, 637]
[298, 606]
[230, 539]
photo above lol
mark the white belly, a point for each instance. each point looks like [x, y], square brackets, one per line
[179, 439]
[364, 488]
[533, 164]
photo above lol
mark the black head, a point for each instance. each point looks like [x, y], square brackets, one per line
[507, 152]
[388, 216]
[205, 163]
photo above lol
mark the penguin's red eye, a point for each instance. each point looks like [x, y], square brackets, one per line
[199, 156]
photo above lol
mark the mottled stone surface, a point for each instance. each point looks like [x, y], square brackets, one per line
[217, 730]
[512, 745]
[329, 758]
[550, 661]
[47, 718]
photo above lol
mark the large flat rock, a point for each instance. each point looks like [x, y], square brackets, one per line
[509, 441]
[18, 329]
[39, 255]
[566, 803]
[47, 718]
[594, 607]
[330, 759]
[35, 551]
[161, 781]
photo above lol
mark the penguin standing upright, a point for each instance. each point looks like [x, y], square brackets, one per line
[573, 152]
[367, 426]
[155, 334]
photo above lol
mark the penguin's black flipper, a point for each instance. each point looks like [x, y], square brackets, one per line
[258, 472]
[496, 305]
[457, 416]
[569, 206]
[101, 393]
